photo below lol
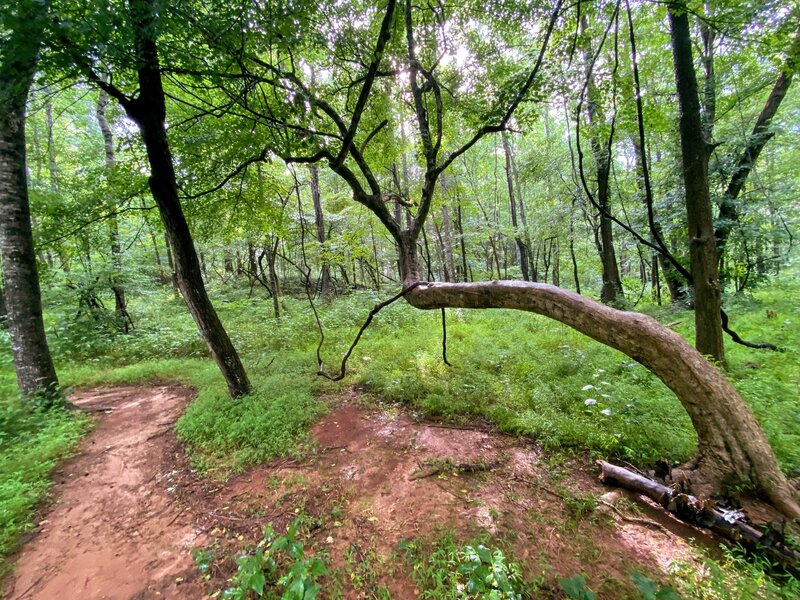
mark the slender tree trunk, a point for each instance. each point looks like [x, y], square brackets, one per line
[574, 266]
[32, 361]
[162, 276]
[612, 283]
[522, 250]
[319, 220]
[695, 152]
[675, 283]
[572, 249]
[447, 235]
[149, 113]
[460, 225]
[272, 251]
[3, 309]
[446, 272]
[556, 262]
[120, 302]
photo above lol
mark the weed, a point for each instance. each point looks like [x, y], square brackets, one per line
[32, 442]
[575, 587]
[277, 562]
[488, 574]
[445, 569]
[735, 577]
[651, 591]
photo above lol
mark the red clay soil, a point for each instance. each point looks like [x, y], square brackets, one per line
[113, 531]
[380, 477]
[128, 509]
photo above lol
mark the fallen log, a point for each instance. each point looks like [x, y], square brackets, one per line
[729, 524]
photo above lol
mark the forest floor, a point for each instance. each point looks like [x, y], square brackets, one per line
[379, 489]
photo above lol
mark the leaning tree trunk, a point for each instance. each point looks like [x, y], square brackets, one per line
[32, 361]
[728, 210]
[149, 113]
[732, 447]
[699, 218]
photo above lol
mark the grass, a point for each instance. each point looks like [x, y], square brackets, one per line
[31, 445]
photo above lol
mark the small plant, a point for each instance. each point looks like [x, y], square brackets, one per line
[445, 569]
[575, 587]
[650, 591]
[488, 574]
[257, 570]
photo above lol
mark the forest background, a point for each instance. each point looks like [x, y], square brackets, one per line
[559, 135]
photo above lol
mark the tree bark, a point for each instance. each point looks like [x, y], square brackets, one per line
[319, 221]
[732, 448]
[522, 250]
[32, 361]
[149, 113]
[120, 302]
[695, 153]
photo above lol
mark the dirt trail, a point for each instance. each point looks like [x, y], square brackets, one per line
[114, 530]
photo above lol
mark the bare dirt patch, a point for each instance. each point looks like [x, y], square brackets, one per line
[114, 530]
[379, 478]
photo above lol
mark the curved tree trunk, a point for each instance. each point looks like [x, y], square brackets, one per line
[732, 447]
[32, 360]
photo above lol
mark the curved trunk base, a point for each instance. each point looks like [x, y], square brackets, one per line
[732, 447]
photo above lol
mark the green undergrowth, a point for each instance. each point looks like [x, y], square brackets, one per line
[526, 374]
[32, 442]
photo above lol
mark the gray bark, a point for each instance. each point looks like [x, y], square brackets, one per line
[32, 361]
[695, 153]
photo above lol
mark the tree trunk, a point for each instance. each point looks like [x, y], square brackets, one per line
[556, 262]
[447, 233]
[522, 250]
[695, 152]
[149, 113]
[732, 448]
[319, 220]
[612, 283]
[460, 225]
[273, 277]
[171, 263]
[32, 361]
[120, 302]
[677, 289]
[3, 309]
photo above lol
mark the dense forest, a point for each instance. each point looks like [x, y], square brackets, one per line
[296, 210]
